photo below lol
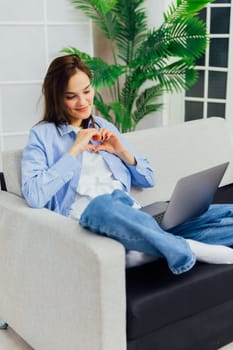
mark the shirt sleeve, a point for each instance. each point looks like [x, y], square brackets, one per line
[40, 181]
[142, 175]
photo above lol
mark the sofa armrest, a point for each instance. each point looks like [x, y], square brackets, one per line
[62, 287]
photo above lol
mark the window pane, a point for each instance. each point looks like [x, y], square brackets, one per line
[218, 52]
[197, 90]
[220, 20]
[222, 1]
[202, 15]
[216, 110]
[217, 84]
[200, 61]
[193, 110]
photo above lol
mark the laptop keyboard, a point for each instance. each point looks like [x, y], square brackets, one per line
[159, 218]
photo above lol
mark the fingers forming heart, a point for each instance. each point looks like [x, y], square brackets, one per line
[101, 147]
[96, 137]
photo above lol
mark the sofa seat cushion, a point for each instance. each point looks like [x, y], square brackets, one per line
[157, 298]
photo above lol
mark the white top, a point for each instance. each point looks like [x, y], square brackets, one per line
[96, 179]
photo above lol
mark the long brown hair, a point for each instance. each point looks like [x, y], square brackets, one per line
[55, 82]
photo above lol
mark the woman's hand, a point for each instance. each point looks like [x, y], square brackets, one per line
[82, 141]
[111, 143]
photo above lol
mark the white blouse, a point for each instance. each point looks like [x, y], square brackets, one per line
[95, 179]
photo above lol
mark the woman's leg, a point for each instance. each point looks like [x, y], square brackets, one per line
[113, 216]
[209, 234]
[215, 226]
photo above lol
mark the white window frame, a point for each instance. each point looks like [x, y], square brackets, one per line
[175, 111]
[229, 104]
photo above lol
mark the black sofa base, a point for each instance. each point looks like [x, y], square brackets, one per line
[208, 330]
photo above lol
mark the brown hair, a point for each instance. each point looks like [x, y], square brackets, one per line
[56, 80]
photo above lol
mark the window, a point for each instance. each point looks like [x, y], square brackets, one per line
[208, 97]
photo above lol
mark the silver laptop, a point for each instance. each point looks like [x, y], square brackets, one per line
[191, 197]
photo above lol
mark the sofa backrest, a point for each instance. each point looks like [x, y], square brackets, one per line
[182, 149]
[173, 152]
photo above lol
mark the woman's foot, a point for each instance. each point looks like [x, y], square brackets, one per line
[210, 253]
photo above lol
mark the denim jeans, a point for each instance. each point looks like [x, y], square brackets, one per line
[112, 215]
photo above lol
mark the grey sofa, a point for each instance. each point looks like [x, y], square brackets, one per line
[63, 287]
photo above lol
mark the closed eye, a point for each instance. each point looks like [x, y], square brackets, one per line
[69, 97]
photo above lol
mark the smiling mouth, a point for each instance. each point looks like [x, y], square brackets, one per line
[83, 109]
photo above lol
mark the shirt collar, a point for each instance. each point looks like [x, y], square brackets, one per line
[65, 129]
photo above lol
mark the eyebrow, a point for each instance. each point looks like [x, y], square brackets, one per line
[74, 93]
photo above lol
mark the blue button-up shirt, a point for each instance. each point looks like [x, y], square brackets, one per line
[50, 175]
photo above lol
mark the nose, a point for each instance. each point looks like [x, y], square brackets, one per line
[81, 100]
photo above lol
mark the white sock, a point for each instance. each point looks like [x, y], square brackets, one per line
[210, 253]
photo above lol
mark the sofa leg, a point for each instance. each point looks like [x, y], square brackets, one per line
[3, 325]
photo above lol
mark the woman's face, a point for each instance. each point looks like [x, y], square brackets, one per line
[78, 98]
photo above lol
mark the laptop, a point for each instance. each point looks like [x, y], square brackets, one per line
[191, 197]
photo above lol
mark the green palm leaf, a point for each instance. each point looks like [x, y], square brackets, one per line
[122, 116]
[191, 6]
[154, 48]
[101, 13]
[149, 95]
[188, 38]
[186, 8]
[91, 6]
[129, 90]
[103, 108]
[132, 24]
[105, 75]
[177, 76]
[144, 101]
[147, 109]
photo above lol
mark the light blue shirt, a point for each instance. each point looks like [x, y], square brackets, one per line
[50, 175]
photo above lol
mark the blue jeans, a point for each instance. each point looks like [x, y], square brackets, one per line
[112, 215]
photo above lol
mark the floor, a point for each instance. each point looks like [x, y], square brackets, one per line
[11, 341]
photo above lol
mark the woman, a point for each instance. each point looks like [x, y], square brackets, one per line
[79, 165]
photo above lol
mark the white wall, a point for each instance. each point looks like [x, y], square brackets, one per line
[155, 18]
[32, 32]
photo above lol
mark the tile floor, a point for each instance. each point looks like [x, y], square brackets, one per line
[9, 340]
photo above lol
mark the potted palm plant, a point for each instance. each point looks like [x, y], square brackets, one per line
[146, 62]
